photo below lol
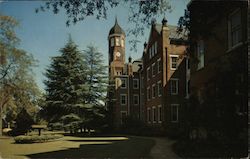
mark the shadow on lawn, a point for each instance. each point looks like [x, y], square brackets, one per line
[131, 148]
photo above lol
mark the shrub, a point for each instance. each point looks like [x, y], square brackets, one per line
[23, 123]
[36, 139]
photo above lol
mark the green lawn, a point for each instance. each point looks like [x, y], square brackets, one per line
[80, 147]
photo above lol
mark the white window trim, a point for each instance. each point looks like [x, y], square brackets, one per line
[159, 95]
[125, 99]
[137, 96]
[153, 114]
[153, 97]
[153, 75]
[158, 65]
[137, 80]
[159, 114]
[125, 83]
[178, 105]
[177, 86]
[171, 62]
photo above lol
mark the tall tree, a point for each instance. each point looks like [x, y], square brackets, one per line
[97, 84]
[65, 85]
[17, 86]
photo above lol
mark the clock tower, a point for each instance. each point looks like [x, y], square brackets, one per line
[116, 40]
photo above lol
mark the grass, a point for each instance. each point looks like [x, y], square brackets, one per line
[80, 147]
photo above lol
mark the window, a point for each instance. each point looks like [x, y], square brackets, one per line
[148, 73]
[153, 69]
[122, 42]
[124, 83]
[136, 99]
[159, 114]
[135, 83]
[153, 91]
[234, 24]
[174, 86]
[173, 62]
[123, 99]
[117, 41]
[174, 112]
[159, 65]
[123, 116]
[112, 41]
[148, 93]
[156, 47]
[159, 85]
[200, 54]
[154, 115]
[150, 54]
[149, 115]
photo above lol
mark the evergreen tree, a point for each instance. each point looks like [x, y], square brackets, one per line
[97, 86]
[65, 86]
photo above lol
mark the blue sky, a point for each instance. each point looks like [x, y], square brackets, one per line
[44, 33]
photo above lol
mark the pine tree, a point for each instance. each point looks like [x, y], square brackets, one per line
[65, 86]
[97, 86]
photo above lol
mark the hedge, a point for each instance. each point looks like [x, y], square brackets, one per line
[36, 138]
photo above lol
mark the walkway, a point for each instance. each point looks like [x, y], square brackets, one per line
[163, 149]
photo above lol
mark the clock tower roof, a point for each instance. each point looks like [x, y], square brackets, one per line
[116, 29]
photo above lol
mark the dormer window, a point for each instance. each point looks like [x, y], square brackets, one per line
[173, 62]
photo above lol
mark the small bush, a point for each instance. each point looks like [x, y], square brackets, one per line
[36, 139]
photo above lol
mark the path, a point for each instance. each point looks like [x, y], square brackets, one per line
[163, 149]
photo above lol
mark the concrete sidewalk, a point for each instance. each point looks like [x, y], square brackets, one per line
[163, 149]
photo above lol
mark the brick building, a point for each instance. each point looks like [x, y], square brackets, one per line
[152, 89]
[124, 98]
[218, 35]
[164, 76]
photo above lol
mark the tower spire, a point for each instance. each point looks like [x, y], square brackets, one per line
[116, 22]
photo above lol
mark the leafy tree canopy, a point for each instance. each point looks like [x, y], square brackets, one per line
[17, 85]
[141, 11]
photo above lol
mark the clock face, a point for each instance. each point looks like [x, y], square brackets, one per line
[118, 54]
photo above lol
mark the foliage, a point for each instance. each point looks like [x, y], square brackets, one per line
[23, 122]
[134, 126]
[17, 84]
[65, 84]
[76, 88]
[97, 86]
[141, 12]
[36, 139]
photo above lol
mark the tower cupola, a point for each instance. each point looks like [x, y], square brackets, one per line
[116, 29]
